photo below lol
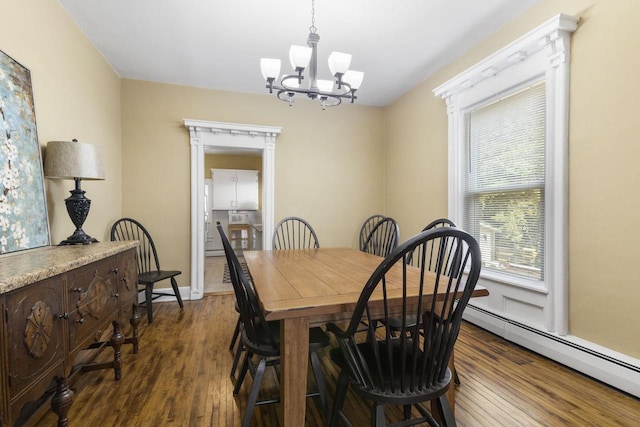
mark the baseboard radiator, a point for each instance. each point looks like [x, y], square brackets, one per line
[612, 368]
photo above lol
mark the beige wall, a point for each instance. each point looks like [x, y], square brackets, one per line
[76, 95]
[328, 164]
[603, 197]
[227, 161]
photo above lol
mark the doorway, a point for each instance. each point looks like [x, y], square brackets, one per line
[211, 136]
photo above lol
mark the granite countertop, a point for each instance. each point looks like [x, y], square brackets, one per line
[24, 268]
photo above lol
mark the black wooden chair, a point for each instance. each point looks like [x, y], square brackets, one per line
[294, 233]
[383, 237]
[366, 228]
[429, 259]
[415, 258]
[261, 339]
[149, 271]
[399, 370]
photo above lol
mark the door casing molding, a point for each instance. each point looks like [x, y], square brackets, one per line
[220, 135]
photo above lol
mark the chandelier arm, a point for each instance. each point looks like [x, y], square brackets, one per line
[346, 87]
[323, 97]
[338, 101]
[295, 77]
[350, 94]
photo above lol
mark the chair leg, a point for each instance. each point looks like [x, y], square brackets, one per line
[338, 400]
[236, 334]
[243, 372]
[176, 291]
[456, 378]
[406, 409]
[378, 419]
[319, 376]
[236, 358]
[255, 389]
[148, 295]
[446, 415]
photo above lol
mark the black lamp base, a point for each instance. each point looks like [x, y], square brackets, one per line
[78, 208]
[78, 237]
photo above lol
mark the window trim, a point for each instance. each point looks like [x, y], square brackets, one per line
[541, 54]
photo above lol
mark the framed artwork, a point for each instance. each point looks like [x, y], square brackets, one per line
[23, 207]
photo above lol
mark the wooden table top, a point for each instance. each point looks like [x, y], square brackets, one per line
[324, 282]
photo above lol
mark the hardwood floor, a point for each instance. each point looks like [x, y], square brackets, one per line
[180, 377]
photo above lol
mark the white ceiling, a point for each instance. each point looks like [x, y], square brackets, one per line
[218, 44]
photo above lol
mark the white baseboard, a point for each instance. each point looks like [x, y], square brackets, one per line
[613, 368]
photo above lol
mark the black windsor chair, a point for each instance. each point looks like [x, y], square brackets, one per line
[366, 228]
[415, 259]
[261, 339]
[397, 369]
[149, 271]
[294, 233]
[383, 237]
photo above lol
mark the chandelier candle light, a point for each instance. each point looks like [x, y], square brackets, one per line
[328, 92]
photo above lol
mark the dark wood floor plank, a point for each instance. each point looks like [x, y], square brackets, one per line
[181, 378]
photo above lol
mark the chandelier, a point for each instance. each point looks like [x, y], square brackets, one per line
[329, 92]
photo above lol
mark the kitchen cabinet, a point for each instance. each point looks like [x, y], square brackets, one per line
[61, 307]
[235, 189]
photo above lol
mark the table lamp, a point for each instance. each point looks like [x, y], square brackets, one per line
[74, 160]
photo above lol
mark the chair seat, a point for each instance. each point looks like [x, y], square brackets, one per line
[395, 323]
[317, 340]
[151, 277]
[404, 393]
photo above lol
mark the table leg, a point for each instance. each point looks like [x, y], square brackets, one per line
[294, 358]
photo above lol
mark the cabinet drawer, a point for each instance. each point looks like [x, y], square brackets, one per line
[35, 333]
[92, 293]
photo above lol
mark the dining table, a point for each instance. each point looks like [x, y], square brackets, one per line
[310, 287]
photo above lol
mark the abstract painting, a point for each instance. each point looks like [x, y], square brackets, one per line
[23, 207]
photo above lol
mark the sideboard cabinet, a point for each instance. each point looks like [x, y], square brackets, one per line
[61, 306]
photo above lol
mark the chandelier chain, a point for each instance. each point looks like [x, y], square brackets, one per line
[312, 28]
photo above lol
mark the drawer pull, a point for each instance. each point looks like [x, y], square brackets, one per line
[63, 316]
[78, 290]
[115, 270]
[80, 321]
[116, 295]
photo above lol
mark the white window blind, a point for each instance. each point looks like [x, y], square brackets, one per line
[505, 182]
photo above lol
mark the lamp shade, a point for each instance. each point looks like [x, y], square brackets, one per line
[339, 62]
[299, 56]
[73, 159]
[353, 79]
[270, 68]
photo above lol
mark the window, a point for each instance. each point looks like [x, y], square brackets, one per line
[508, 172]
[504, 183]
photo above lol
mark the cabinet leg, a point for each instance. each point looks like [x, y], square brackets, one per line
[116, 341]
[134, 321]
[61, 401]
